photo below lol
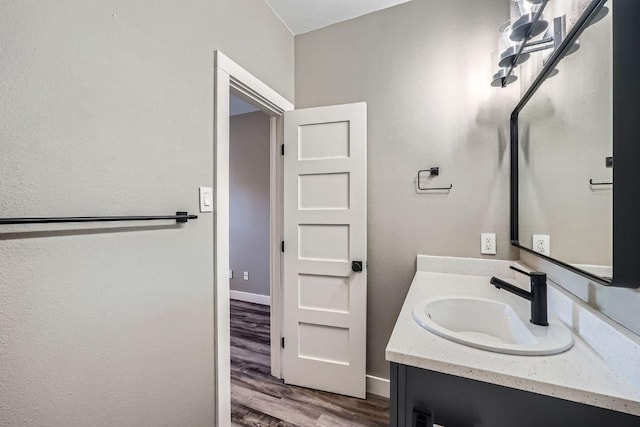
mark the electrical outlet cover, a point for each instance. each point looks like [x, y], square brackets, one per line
[488, 243]
[541, 243]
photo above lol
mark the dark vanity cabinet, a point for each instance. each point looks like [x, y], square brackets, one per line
[420, 398]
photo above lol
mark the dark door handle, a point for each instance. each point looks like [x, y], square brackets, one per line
[356, 266]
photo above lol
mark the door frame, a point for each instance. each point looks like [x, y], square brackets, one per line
[229, 76]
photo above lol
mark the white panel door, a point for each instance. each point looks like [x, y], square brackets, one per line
[325, 231]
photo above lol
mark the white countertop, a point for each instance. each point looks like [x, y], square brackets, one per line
[578, 374]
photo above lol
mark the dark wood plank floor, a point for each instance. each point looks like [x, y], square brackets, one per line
[258, 399]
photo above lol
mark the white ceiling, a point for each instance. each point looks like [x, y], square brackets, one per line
[302, 16]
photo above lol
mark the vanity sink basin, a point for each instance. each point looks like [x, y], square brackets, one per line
[490, 325]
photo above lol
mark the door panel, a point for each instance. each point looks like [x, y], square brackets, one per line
[324, 141]
[328, 191]
[325, 230]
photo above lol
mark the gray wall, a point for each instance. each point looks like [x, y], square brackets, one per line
[106, 108]
[424, 69]
[249, 202]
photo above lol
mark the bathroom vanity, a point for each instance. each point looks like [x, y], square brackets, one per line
[437, 380]
[462, 352]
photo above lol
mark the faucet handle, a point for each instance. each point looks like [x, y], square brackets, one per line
[520, 271]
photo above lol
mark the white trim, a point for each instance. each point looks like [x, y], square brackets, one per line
[378, 386]
[249, 297]
[251, 87]
[229, 75]
[222, 336]
[276, 183]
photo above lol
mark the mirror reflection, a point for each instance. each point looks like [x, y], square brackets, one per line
[566, 159]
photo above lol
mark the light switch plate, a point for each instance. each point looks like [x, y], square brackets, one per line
[246, 275]
[206, 199]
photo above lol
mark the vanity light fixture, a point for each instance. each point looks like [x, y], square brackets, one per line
[501, 79]
[525, 23]
[516, 38]
[508, 48]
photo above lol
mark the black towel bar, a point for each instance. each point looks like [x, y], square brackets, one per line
[179, 217]
[591, 182]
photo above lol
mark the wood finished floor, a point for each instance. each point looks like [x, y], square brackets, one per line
[258, 399]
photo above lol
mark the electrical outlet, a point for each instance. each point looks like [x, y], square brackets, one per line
[246, 275]
[230, 274]
[541, 243]
[488, 243]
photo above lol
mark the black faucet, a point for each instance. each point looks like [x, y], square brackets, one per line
[537, 296]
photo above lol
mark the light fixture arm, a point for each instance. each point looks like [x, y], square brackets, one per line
[542, 41]
[539, 47]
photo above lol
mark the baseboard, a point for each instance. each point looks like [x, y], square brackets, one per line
[378, 386]
[248, 297]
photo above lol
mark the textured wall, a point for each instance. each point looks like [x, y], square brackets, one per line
[249, 202]
[106, 108]
[424, 69]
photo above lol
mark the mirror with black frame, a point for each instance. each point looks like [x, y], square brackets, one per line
[565, 151]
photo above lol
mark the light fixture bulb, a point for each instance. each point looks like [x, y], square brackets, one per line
[523, 23]
[508, 49]
[500, 78]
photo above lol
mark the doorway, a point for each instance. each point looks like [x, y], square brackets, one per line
[249, 254]
[325, 245]
[231, 78]
[249, 203]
